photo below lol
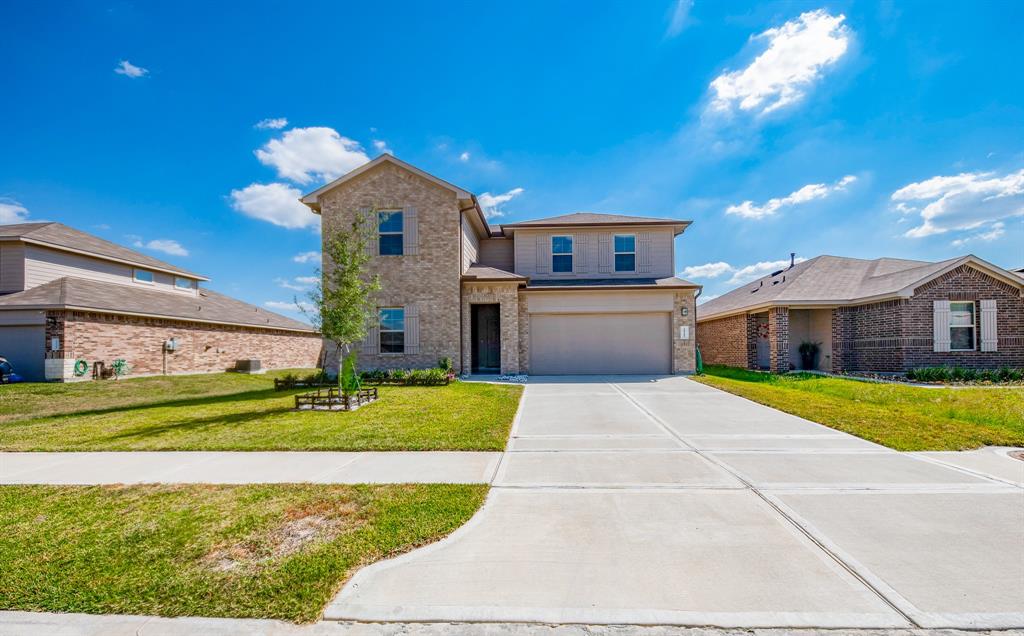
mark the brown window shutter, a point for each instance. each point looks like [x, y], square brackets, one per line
[989, 333]
[370, 217]
[412, 328]
[643, 253]
[410, 231]
[604, 253]
[371, 343]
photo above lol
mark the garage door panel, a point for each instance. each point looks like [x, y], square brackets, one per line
[24, 346]
[599, 343]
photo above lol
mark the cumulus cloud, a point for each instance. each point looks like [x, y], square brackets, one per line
[680, 12]
[961, 202]
[307, 280]
[12, 212]
[167, 246]
[277, 203]
[464, 157]
[491, 203]
[757, 270]
[126, 68]
[295, 285]
[810, 192]
[274, 123]
[307, 257]
[297, 307]
[794, 59]
[993, 232]
[381, 146]
[303, 155]
[707, 270]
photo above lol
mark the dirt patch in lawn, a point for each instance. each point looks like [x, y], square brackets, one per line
[301, 528]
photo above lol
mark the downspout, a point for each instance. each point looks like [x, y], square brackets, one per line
[696, 347]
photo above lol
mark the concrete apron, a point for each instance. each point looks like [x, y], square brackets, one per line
[635, 500]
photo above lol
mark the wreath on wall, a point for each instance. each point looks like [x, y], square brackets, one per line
[762, 330]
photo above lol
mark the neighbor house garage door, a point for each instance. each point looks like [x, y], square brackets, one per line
[600, 343]
[24, 347]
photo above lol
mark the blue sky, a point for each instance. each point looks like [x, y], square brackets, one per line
[853, 128]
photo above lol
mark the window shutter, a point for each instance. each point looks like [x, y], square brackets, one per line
[604, 253]
[372, 243]
[989, 337]
[940, 320]
[580, 245]
[412, 328]
[410, 231]
[371, 343]
[543, 254]
[643, 253]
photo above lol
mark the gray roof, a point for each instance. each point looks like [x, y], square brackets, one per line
[61, 236]
[833, 279]
[669, 282]
[482, 272]
[117, 298]
[594, 218]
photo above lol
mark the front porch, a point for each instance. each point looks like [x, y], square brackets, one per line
[774, 338]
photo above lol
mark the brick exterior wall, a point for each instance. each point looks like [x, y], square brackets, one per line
[202, 348]
[431, 278]
[684, 352]
[778, 339]
[507, 296]
[724, 341]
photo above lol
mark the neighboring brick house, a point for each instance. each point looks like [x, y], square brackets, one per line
[885, 315]
[579, 293]
[69, 296]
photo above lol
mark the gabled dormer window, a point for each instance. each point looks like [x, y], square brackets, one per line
[184, 284]
[625, 253]
[561, 254]
[143, 276]
[389, 233]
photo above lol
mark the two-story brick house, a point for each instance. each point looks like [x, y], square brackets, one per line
[68, 297]
[580, 293]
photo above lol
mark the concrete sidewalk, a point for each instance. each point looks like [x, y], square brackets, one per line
[186, 467]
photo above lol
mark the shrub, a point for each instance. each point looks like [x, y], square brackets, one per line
[427, 377]
[445, 364]
[961, 374]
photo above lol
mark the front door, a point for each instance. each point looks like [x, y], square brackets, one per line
[486, 333]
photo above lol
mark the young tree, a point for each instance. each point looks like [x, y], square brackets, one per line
[344, 305]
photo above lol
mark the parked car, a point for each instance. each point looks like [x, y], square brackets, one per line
[7, 374]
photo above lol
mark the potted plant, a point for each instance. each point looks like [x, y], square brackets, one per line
[809, 354]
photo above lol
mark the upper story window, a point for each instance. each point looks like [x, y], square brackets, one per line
[392, 330]
[389, 233]
[961, 326]
[561, 254]
[184, 283]
[625, 253]
[143, 276]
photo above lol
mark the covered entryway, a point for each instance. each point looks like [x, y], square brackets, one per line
[600, 343]
[24, 346]
[486, 334]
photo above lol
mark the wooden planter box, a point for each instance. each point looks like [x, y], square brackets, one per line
[333, 399]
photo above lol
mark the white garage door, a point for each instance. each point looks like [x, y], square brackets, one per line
[600, 343]
[24, 346]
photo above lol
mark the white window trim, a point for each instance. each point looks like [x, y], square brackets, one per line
[191, 284]
[382, 330]
[973, 326]
[616, 253]
[135, 276]
[400, 233]
[570, 253]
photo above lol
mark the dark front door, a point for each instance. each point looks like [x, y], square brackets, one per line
[486, 334]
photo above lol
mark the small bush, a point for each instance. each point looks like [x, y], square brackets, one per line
[445, 364]
[961, 374]
[427, 377]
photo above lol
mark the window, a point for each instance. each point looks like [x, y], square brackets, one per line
[143, 276]
[392, 330]
[389, 230]
[184, 283]
[961, 326]
[561, 254]
[625, 253]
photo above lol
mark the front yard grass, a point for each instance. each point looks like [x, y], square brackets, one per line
[267, 551]
[905, 418]
[235, 412]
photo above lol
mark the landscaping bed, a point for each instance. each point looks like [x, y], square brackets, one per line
[905, 418]
[255, 551]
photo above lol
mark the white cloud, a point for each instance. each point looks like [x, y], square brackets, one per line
[994, 231]
[305, 154]
[273, 123]
[464, 157]
[277, 203]
[12, 212]
[124, 67]
[307, 280]
[757, 270]
[307, 257]
[382, 146]
[296, 307]
[294, 286]
[962, 202]
[796, 54]
[167, 246]
[680, 12]
[491, 203]
[703, 299]
[708, 270]
[810, 192]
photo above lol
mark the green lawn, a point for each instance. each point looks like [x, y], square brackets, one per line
[905, 418]
[269, 551]
[229, 411]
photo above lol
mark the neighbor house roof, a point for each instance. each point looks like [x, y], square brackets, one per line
[836, 280]
[594, 219]
[115, 298]
[483, 273]
[59, 236]
[612, 283]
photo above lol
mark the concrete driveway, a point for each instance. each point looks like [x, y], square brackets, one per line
[648, 500]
